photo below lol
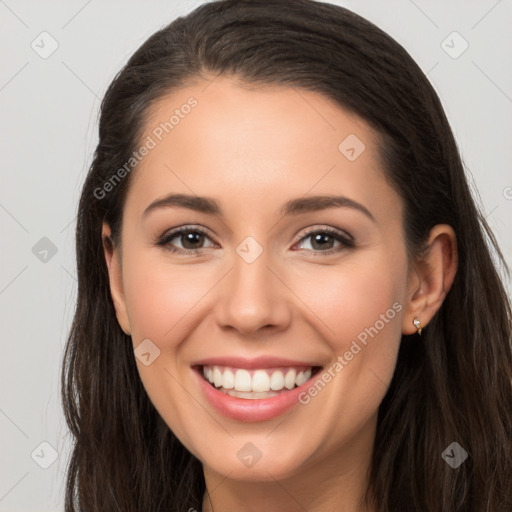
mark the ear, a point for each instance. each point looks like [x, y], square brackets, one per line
[113, 261]
[431, 278]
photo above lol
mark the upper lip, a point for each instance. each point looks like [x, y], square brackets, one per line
[257, 362]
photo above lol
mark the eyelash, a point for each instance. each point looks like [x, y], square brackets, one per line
[164, 241]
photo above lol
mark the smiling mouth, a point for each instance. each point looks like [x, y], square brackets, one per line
[256, 383]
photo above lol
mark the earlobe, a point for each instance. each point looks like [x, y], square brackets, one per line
[112, 260]
[431, 279]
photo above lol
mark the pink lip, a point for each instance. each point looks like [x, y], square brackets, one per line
[258, 362]
[246, 410]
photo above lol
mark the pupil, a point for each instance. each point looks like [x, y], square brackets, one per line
[320, 238]
[192, 238]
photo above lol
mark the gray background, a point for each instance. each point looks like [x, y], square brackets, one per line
[48, 131]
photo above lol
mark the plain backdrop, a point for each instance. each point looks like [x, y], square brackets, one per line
[48, 125]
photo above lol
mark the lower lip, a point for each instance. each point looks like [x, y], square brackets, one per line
[251, 410]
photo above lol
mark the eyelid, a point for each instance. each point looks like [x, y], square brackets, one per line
[323, 229]
[346, 240]
[163, 240]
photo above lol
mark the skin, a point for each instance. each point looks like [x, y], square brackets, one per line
[252, 149]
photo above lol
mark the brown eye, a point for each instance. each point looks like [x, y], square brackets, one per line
[322, 241]
[185, 240]
[192, 239]
[325, 240]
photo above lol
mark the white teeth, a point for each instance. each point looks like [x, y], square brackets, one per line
[243, 381]
[301, 378]
[261, 381]
[217, 377]
[277, 380]
[228, 380]
[250, 396]
[289, 380]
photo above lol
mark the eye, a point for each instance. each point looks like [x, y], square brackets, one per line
[322, 241]
[191, 239]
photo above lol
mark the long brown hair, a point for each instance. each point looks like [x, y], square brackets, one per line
[452, 384]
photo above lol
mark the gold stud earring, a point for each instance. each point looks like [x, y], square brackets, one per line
[417, 323]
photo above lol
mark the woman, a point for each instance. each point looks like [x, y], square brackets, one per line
[287, 299]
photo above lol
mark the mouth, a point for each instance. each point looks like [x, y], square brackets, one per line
[256, 383]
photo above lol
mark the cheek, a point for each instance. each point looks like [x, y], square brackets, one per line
[362, 309]
[162, 301]
[160, 297]
[359, 308]
[353, 297]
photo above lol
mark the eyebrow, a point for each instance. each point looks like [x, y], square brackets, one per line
[292, 207]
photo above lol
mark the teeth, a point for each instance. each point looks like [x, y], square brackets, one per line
[301, 378]
[217, 377]
[250, 396]
[228, 380]
[277, 380]
[262, 381]
[289, 379]
[243, 380]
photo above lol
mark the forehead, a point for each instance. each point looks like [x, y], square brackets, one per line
[256, 145]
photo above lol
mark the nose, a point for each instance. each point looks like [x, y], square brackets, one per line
[253, 297]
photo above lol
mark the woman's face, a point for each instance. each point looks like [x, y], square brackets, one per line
[282, 277]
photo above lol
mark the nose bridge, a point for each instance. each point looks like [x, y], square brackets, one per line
[251, 296]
